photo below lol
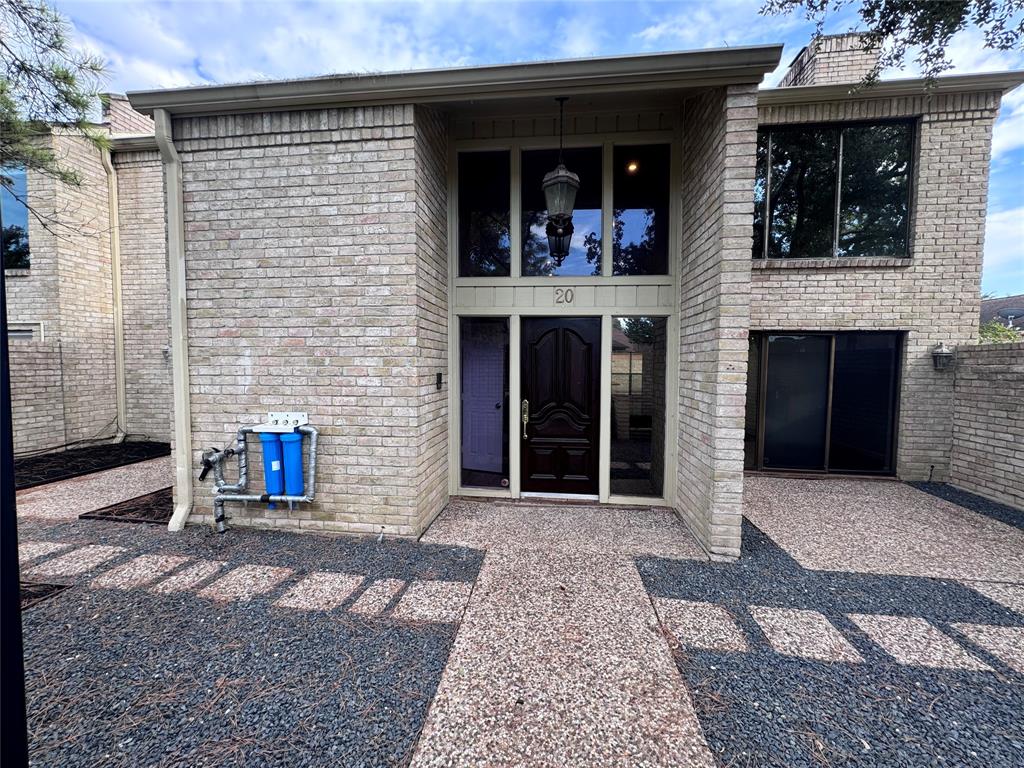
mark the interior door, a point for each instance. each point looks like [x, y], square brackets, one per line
[561, 379]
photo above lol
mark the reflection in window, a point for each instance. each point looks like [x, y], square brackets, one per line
[14, 218]
[484, 348]
[484, 220]
[875, 190]
[802, 190]
[809, 178]
[585, 250]
[640, 204]
[639, 346]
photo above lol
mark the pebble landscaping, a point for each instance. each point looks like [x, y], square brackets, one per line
[525, 634]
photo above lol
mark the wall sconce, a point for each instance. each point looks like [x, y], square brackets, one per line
[942, 356]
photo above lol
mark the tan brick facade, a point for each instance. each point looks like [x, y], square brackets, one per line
[829, 60]
[313, 285]
[720, 132]
[933, 295]
[988, 421]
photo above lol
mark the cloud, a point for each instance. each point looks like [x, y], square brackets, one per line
[1004, 252]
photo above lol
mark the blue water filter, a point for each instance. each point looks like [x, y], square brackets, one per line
[273, 464]
[293, 481]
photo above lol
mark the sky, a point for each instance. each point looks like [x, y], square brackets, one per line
[158, 44]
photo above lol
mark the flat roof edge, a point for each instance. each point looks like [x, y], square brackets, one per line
[746, 64]
[810, 94]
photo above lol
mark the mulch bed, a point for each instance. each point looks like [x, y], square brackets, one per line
[33, 592]
[30, 471]
[154, 507]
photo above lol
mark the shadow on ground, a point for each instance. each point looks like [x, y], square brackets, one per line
[759, 707]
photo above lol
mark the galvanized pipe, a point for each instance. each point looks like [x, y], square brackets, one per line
[225, 492]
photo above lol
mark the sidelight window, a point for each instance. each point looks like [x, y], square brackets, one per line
[14, 218]
[484, 345]
[833, 190]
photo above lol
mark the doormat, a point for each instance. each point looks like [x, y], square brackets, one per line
[154, 507]
[33, 592]
[30, 471]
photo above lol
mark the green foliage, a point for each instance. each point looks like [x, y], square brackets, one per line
[44, 82]
[894, 27]
[997, 332]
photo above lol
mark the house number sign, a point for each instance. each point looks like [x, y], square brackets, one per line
[564, 295]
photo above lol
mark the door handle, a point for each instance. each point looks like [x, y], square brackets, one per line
[525, 410]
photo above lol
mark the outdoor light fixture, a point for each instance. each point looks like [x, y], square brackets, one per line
[942, 356]
[560, 187]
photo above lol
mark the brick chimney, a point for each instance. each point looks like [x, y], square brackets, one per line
[829, 60]
[121, 118]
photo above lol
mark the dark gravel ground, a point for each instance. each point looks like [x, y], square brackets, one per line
[156, 507]
[760, 708]
[129, 678]
[1001, 512]
[30, 471]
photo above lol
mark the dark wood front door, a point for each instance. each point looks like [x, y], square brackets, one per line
[561, 380]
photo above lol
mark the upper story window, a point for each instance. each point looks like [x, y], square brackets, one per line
[585, 248]
[833, 190]
[14, 218]
[484, 214]
[634, 185]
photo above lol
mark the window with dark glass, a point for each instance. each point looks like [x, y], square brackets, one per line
[484, 353]
[832, 190]
[639, 349]
[14, 218]
[640, 204]
[485, 242]
[584, 256]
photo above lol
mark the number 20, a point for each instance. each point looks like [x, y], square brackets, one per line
[564, 295]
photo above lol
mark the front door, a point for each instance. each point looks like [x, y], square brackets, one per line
[560, 376]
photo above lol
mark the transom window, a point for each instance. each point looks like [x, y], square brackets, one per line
[635, 191]
[833, 190]
[14, 218]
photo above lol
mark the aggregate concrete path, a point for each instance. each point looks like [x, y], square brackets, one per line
[560, 659]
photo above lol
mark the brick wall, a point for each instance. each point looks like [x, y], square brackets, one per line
[988, 421]
[831, 59]
[934, 295]
[121, 118]
[431, 209]
[719, 135]
[37, 395]
[303, 283]
[145, 294]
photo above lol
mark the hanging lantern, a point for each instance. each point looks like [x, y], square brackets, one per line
[560, 187]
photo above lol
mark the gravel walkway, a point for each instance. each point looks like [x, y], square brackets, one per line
[793, 667]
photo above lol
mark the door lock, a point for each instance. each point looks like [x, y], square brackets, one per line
[526, 417]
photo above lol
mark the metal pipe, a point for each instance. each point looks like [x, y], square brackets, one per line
[225, 492]
[120, 387]
[179, 342]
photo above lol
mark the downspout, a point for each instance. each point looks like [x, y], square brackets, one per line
[120, 386]
[179, 338]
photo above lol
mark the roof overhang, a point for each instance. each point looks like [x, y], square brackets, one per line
[885, 89]
[686, 69]
[133, 142]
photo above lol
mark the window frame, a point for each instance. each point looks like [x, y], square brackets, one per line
[607, 143]
[839, 126]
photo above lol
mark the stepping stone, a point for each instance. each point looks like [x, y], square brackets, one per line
[321, 591]
[135, 573]
[77, 561]
[188, 578]
[700, 625]
[32, 550]
[438, 601]
[807, 634]
[915, 642]
[245, 582]
[377, 597]
[1005, 643]
[1010, 595]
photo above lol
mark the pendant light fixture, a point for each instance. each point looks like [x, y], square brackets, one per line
[560, 187]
